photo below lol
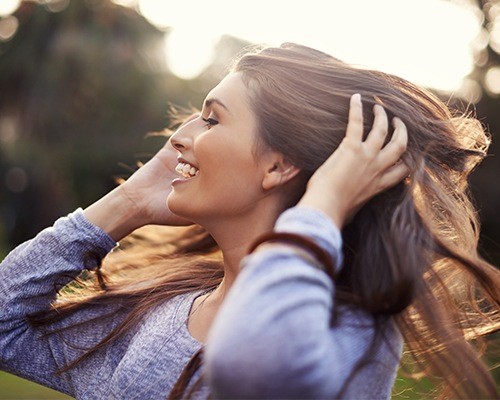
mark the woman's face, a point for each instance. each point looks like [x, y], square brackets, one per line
[220, 175]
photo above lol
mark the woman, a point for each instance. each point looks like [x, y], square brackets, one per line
[297, 321]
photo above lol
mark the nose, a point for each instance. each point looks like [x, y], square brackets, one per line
[182, 139]
[178, 142]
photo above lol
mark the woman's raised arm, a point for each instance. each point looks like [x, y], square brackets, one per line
[32, 273]
[140, 200]
[29, 279]
[272, 337]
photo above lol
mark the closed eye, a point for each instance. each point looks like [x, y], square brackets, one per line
[210, 122]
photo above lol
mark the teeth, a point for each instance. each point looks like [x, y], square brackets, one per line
[187, 170]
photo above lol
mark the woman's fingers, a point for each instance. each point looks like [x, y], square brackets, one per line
[396, 147]
[393, 176]
[373, 147]
[380, 128]
[378, 133]
[358, 170]
[355, 123]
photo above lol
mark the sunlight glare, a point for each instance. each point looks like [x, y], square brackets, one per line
[187, 55]
[7, 7]
[429, 42]
[161, 14]
[126, 3]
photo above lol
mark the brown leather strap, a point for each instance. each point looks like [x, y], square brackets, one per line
[301, 241]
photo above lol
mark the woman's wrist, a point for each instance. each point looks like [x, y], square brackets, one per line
[315, 225]
[327, 205]
[115, 214]
[299, 242]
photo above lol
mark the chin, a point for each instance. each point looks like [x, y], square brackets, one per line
[180, 208]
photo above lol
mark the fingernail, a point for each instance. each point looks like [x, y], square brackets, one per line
[356, 97]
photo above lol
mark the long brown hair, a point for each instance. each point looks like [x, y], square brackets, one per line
[411, 252]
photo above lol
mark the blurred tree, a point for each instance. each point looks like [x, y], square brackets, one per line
[81, 83]
[488, 54]
[484, 181]
[79, 88]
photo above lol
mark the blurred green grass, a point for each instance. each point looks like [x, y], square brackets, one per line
[14, 388]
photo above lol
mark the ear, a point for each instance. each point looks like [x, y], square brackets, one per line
[279, 172]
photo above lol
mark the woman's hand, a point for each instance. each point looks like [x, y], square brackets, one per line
[140, 200]
[358, 170]
[148, 189]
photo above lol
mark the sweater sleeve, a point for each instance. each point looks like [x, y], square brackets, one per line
[272, 337]
[29, 279]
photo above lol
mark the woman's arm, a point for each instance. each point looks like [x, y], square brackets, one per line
[29, 278]
[33, 272]
[272, 337]
[141, 200]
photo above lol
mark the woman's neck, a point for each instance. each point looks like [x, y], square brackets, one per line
[234, 237]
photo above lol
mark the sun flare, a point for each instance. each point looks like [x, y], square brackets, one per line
[426, 41]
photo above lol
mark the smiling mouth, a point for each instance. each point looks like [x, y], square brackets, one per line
[187, 170]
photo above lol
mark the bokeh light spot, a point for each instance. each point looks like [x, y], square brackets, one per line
[8, 28]
[492, 80]
[16, 179]
[470, 91]
[8, 129]
[7, 7]
[57, 5]
[495, 35]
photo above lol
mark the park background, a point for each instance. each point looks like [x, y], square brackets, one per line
[84, 83]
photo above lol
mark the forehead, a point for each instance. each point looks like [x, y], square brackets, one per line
[232, 92]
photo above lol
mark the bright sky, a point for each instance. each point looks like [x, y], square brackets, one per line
[426, 41]
[430, 42]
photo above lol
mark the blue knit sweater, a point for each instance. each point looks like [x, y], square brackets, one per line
[271, 338]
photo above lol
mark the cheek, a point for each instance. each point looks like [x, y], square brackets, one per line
[232, 170]
[225, 155]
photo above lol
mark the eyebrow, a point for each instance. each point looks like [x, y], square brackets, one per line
[210, 101]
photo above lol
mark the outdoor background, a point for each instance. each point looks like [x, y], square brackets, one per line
[83, 82]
